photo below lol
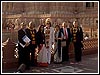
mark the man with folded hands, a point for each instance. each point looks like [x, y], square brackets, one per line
[23, 46]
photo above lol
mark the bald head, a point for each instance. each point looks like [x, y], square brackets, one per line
[75, 23]
[31, 25]
[23, 25]
[64, 24]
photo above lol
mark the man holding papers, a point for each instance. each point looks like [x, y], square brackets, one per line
[23, 46]
[26, 39]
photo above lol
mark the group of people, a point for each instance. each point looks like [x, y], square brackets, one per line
[43, 38]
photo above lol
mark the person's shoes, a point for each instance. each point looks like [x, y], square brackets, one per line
[72, 63]
[27, 68]
[78, 62]
[57, 62]
[67, 62]
[33, 65]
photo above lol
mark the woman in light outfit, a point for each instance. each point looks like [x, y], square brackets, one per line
[42, 53]
[58, 48]
[49, 39]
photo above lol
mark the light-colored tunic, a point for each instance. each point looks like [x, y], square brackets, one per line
[57, 59]
[49, 39]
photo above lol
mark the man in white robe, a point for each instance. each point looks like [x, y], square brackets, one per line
[49, 39]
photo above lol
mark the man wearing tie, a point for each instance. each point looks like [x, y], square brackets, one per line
[67, 37]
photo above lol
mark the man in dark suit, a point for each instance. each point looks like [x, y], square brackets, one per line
[23, 50]
[67, 37]
[77, 38]
[33, 44]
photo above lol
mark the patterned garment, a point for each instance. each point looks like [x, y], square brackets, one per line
[57, 59]
[74, 31]
[33, 36]
[47, 37]
[49, 40]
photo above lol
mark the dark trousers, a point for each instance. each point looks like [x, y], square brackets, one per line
[65, 52]
[20, 57]
[24, 56]
[32, 58]
[27, 54]
[78, 51]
